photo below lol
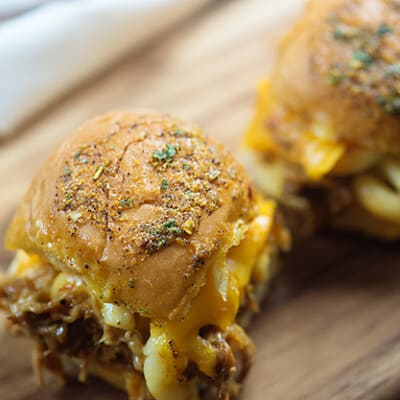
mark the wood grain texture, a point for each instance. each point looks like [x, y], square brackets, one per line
[330, 326]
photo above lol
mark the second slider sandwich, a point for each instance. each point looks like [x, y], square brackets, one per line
[325, 139]
[141, 245]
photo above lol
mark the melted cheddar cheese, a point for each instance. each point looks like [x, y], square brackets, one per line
[23, 264]
[315, 147]
[173, 345]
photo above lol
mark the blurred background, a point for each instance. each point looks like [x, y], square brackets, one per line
[62, 62]
[330, 326]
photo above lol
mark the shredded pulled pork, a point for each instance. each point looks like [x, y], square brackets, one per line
[69, 324]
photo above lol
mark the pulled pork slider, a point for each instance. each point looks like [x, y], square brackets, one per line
[140, 245]
[325, 136]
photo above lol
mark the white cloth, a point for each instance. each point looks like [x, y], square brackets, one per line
[58, 44]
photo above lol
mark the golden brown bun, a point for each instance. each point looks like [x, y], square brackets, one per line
[137, 220]
[342, 59]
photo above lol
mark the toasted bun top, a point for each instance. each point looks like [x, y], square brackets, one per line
[342, 59]
[136, 203]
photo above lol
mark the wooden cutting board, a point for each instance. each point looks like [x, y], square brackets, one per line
[330, 328]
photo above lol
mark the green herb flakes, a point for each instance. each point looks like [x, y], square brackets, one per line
[66, 171]
[390, 104]
[393, 106]
[383, 29]
[361, 58]
[125, 202]
[170, 227]
[164, 185]
[160, 236]
[343, 32]
[165, 155]
[178, 132]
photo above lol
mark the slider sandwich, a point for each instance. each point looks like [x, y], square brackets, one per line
[325, 139]
[141, 250]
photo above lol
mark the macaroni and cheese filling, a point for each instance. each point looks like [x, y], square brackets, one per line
[290, 154]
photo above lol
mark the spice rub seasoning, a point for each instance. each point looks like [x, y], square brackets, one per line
[362, 50]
